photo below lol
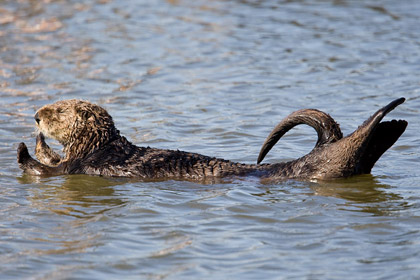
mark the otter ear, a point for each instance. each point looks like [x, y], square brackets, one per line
[84, 114]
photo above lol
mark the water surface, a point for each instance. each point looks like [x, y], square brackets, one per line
[212, 77]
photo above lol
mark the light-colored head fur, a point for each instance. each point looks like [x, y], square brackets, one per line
[80, 126]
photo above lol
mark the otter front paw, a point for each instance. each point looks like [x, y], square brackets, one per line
[22, 154]
[44, 153]
[40, 139]
[33, 167]
[26, 162]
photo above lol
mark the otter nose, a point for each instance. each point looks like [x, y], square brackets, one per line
[37, 118]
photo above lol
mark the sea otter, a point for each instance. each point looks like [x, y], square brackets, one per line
[93, 145]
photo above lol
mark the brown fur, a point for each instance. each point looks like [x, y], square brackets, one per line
[92, 145]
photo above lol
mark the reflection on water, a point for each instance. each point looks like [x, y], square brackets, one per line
[79, 196]
[365, 193]
[360, 193]
[67, 206]
[360, 189]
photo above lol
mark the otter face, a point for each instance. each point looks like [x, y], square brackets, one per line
[68, 120]
[56, 120]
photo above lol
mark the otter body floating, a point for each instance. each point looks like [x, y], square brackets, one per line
[92, 145]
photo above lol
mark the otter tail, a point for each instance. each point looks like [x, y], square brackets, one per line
[328, 130]
[351, 155]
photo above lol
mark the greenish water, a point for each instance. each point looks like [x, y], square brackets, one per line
[212, 77]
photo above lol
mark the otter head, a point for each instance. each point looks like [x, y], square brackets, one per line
[79, 126]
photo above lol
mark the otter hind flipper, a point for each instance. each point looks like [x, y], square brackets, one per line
[328, 130]
[370, 124]
[384, 136]
[370, 140]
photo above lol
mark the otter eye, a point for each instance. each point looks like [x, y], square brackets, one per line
[47, 112]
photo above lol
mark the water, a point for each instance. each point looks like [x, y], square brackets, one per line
[212, 77]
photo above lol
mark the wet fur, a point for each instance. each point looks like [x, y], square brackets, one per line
[92, 145]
